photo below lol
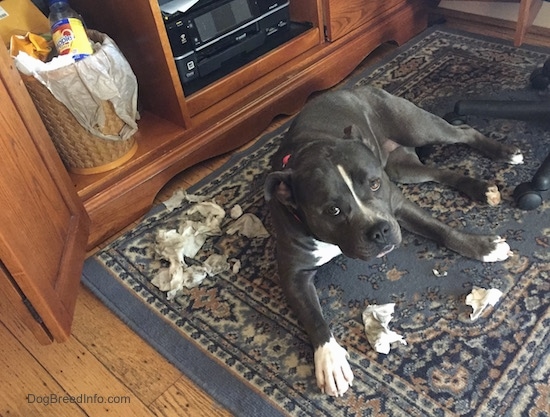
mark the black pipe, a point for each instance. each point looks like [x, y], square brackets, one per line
[518, 110]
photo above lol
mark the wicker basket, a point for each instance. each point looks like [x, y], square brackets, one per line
[81, 152]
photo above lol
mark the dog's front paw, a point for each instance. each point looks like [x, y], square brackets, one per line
[500, 252]
[515, 157]
[332, 369]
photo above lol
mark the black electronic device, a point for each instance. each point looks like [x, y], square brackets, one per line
[212, 33]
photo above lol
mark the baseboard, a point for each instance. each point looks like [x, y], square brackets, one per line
[490, 26]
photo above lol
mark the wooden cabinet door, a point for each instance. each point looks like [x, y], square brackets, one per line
[341, 17]
[43, 225]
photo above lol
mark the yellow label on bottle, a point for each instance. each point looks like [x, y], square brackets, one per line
[69, 37]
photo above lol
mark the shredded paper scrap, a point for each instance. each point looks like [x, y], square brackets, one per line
[376, 319]
[181, 246]
[480, 298]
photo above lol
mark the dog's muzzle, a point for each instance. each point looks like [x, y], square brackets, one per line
[383, 235]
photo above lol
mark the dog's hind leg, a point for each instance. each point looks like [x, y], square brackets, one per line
[488, 146]
[404, 166]
[413, 126]
[441, 132]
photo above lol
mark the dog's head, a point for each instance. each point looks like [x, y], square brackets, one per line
[342, 195]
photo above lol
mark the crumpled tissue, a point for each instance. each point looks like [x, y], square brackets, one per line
[248, 225]
[376, 319]
[202, 220]
[236, 211]
[480, 298]
[178, 276]
[236, 266]
[177, 199]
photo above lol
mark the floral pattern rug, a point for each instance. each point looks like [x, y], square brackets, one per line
[235, 336]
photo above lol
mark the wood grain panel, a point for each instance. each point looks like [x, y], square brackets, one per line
[344, 16]
[25, 387]
[44, 226]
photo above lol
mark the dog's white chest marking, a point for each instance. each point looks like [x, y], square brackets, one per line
[324, 252]
[348, 181]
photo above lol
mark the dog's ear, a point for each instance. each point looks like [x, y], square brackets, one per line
[279, 185]
[352, 132]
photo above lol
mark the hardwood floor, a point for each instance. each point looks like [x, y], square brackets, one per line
[105, 366]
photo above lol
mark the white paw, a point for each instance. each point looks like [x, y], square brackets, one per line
[493, 195]
[517, 158]
[500, 253]
[332, 369]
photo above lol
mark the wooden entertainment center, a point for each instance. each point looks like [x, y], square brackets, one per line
[175, 132]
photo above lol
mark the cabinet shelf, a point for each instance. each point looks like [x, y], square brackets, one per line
[153, 136]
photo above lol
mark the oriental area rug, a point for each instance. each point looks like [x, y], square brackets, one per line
[235, 336]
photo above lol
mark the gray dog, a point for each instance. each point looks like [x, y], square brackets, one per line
[331, 193]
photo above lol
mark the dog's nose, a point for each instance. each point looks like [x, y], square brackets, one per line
[379, 232]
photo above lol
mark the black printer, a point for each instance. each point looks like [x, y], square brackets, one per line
[215, 37]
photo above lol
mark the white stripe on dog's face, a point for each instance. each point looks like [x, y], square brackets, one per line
[364, 209]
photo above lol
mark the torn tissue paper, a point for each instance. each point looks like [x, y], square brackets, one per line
[236, 212]
[376, 319]
[177, 199]
[236, 266]
[216, 264]
[248, 225]
[202, 220]
[178, 276]
[480, 298]
[83, 86]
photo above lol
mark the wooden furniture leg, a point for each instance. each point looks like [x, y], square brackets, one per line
[528, 10]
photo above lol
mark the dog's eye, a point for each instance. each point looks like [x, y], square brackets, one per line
[333, 211]
[375, 184]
